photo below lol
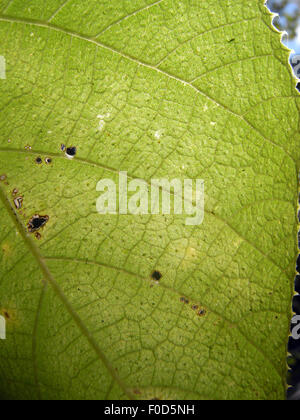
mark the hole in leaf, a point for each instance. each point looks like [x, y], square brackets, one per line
[18, 202]
[37, 222]
[71, 152]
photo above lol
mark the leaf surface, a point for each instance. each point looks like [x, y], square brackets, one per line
[165, 89]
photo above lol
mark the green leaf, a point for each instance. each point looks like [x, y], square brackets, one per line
[182, 89]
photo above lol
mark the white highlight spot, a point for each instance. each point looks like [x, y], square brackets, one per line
[158, 134]
[2, 67]
[102, 121]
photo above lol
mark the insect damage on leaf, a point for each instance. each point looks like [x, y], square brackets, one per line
[184, 300]
[18, 202]
[38, 236]
[37, 222]
[156, 275]
[71, 152]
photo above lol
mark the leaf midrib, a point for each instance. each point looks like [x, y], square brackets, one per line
[48, 278]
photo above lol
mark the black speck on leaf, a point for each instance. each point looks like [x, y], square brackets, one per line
[156, 275]
[71, 151]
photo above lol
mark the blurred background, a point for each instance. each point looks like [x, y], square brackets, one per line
[288, 20]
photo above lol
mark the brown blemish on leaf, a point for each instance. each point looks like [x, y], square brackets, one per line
[6, 249]
[137, 392]
[9, 315]
[184, 300]
[6, 315]
[202, 313]
[3, 178]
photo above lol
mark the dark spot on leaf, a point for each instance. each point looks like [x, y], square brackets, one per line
[38, 236]
[48, 161]
[6, 315]
[195, 307]
[15, 192]
[156, 275]
[37, 222]
[3, 178]
[202, 312]
[38, 161]
[231, 40]
[63, 148]
[71, 152]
